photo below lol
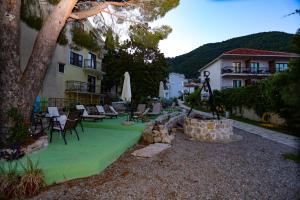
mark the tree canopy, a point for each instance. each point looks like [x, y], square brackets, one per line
[146, 66]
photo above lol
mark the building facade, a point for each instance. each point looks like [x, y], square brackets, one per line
[177, 85]
[75, 72]
[242, 67]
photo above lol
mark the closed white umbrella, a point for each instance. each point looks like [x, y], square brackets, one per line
[161, 90]
[126, 92]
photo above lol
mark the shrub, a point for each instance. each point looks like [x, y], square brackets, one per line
[9, 180]
[14, 185]
[19, 131]
[29, 18]
[62, 38]
[84, 39]
[292, 156]
[32, 180]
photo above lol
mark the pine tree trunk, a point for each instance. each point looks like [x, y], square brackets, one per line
[43, 49]
[9, 60]
[20, 90]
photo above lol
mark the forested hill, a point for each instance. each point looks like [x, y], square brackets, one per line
[190, 63]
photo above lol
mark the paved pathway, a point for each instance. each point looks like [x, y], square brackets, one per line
[276, 136]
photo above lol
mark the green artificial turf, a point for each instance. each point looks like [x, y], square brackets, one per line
[100, 144]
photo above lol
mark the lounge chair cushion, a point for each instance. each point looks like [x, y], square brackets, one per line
[113, 110]
[81, 107]
[100, 109]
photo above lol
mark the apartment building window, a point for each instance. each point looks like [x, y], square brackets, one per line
[254, 66]
[281, 67]
[61, 67]
[237, 67]
[91, 84]
[76, 59]
[91, 62]
[237, 83]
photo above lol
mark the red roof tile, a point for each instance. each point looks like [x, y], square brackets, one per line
[243, 51]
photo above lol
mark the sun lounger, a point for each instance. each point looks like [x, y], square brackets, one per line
[156, 110]
[140, 109]
[141, 116]
[86, 115]
[101, 111]
[113, 110]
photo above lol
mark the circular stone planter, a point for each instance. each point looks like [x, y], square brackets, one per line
[208, 129]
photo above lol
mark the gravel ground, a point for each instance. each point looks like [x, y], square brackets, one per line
[252, 168]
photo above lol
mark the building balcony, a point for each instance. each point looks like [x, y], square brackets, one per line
[244, 71]
[82, 88]
[92, 66]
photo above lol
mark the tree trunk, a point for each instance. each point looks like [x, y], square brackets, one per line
[10, 70]
[43, 49]
[20, 90]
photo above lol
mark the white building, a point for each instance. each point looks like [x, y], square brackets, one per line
[177, 85]
[242, 67]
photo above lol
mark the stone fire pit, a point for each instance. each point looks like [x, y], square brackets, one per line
[208, 129]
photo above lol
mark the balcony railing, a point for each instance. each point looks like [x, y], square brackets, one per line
[92, 64]
[82, 87]
[244, 70]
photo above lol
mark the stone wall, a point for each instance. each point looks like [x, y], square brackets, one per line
[208, 129]
[41, 143]
[161, 130]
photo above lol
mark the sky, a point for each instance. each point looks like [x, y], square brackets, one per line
[197, 22]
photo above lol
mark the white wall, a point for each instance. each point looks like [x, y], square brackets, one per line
[176, 84]
[215, 75]
[53, 85]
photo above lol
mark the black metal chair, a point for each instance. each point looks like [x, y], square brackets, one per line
[79, 114]
[69, 125]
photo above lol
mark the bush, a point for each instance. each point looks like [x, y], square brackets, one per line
[9, 180]
[27, 17]
[166, 103]
[62, 38]
[32, 180]
[14, 185]
[292, 156]
[18, 133]
[84, 39]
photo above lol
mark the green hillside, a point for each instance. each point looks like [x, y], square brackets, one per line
[190, 63]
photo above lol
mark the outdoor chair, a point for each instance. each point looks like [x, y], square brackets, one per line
[55, 116]
[86, 115]
[77, 115]
[140, 109]
[102, 111]
[36, 124]
[69, 125]
[141, 116]
[156, 110]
